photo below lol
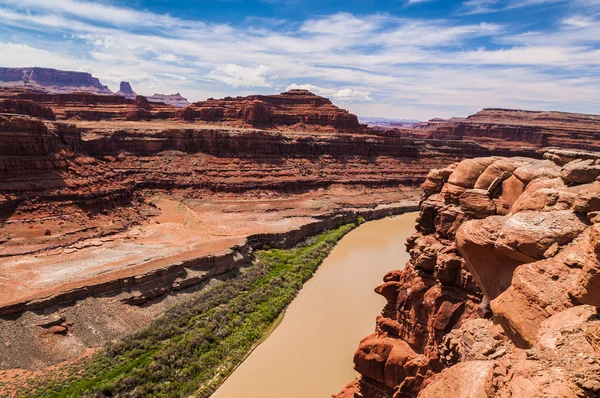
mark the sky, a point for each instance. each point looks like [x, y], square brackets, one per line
[415, 59]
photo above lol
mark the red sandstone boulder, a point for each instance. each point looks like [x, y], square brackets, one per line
[581, 171]
[57, 329]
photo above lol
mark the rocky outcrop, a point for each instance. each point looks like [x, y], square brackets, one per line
[51, 80]
[289, 108]
[25, 107]
[500, 296]
[126, 91]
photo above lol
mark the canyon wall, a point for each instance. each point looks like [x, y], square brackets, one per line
[500, 296]
[124, 201]
[85, 173]
[518, 128]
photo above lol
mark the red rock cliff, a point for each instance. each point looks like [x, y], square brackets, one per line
[289, 108]
[500, 296]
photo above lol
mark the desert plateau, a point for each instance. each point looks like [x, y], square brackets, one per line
[268, 199]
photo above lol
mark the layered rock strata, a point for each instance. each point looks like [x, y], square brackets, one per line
[89, 106]
[289, 108]
[500, 296]
[518, 128]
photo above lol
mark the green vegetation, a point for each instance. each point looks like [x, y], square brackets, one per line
[192, 348]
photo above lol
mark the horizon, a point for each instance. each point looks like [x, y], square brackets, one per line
[413, 59]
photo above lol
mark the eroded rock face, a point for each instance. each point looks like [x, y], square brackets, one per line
[289, 108]
[500, 296]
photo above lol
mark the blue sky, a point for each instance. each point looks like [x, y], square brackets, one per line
[403, 58]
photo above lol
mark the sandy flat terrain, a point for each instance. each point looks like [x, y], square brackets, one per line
[180, 230]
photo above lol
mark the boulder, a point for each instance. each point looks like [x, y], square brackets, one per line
[581, 171]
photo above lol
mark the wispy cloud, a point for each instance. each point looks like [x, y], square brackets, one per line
[471, 7]
[236, 75]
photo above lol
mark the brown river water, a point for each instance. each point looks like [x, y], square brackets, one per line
[310, 353]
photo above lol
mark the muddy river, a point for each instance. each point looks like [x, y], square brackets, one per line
[310, 353]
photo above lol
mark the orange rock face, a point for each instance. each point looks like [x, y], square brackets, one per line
[500, 296]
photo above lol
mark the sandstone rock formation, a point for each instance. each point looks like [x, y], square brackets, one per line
[500, 296]
[126, 91]
[86, 106]
[289, 108]
[51, 80]
[25, 107]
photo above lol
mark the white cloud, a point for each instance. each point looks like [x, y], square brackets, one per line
[168, 58]
[578, 21]
[471, 7]
[342, 95]
[236, 75]
[480, 6]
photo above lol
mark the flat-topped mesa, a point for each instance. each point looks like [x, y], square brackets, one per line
[285, 109]
[511, 128]
[51, 80]
[500, 297]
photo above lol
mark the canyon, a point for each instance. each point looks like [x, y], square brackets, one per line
[114, 208]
